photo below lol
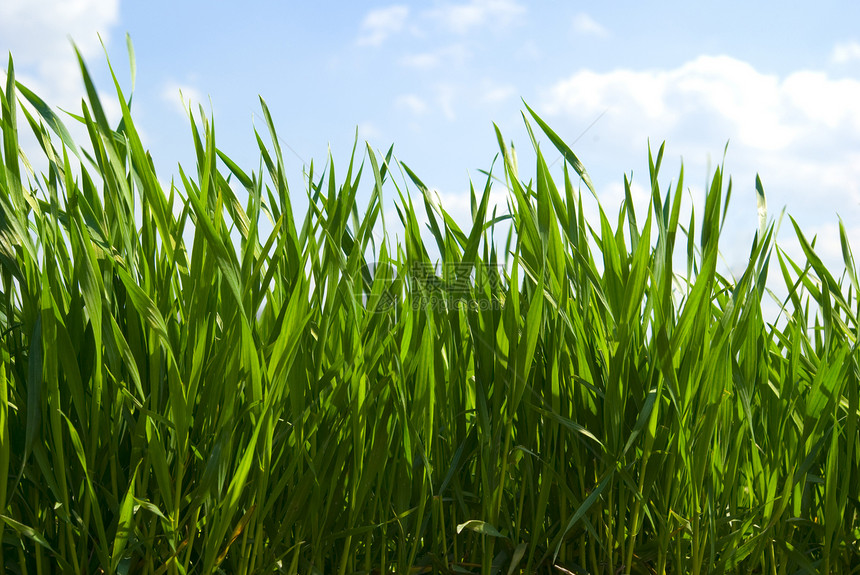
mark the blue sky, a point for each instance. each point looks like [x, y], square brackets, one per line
[779, 81]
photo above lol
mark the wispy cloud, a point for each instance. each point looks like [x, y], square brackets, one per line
[182, 97]
[369, 130]
[412, 103]
[453, 18]
[846, 52]
[588, 26]
[379, 24]
[455, 54]
[422, 61]
[464, 17]
[496, 94]
[445, 96]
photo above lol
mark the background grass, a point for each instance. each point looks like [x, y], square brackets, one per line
[557, 399]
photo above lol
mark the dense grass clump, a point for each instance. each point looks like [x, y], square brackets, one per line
[310, 400]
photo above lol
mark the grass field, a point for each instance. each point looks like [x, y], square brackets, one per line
[181, 392]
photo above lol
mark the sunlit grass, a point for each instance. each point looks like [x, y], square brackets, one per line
[181, 392]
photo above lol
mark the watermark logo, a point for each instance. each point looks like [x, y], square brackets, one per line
[439, 287]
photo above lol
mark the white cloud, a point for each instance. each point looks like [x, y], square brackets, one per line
[463, 18]
[369, 131]
[588, 26]
[833, 103]
[800, 131]
[412, 103]
[38, 33]
[529, 50]
[183, 97]
[445, 95]
[455, 54]
[496, 94]
[721, 94]
[846, 52]
[422, 61]
[379, 24]
[441, 101]
[453, 18]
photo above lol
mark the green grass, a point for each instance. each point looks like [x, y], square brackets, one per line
[182, 392]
